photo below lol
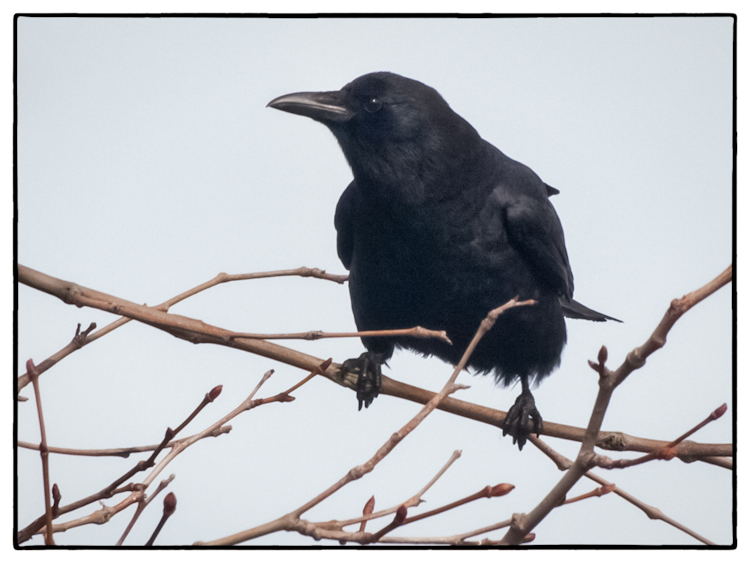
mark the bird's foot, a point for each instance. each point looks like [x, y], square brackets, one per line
[522, 419]
[369, 376]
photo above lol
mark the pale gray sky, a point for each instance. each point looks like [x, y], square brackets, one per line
[148, 163]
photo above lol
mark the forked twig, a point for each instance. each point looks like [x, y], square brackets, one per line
[523, 524]
[83, 338]
[667, 452]
[292, 521]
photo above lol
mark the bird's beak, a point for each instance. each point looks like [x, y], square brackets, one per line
[325, 107]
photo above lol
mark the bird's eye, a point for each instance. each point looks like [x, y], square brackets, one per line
[372, 105]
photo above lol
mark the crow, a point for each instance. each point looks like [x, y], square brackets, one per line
[439, 227]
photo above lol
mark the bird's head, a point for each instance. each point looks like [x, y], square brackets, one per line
[381, 114]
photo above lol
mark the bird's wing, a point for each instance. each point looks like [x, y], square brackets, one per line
[343, 223]
[534, 230]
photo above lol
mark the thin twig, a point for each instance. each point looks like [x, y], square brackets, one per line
[82, 339]
[487, 492]
[319, 370]
[651, 511]
[116, 452]
[677, 308]
[417, 499]
[598, 492]
[414, 500]
[457, 539]
[415, 332]
[44, 452]
[79, 340]
[209, 398]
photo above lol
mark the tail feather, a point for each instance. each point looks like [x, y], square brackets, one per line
[575, 310]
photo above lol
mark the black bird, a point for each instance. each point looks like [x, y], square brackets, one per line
[438, 228]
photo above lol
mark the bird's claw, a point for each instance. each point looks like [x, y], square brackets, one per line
[522, 419]
[369, 376]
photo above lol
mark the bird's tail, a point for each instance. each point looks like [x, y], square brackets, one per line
[574, 310]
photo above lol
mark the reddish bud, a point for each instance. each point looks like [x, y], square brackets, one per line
[529, 538]
[170, 504]
[366, 511]
[718, 413]
[56, 497]
[501, 490]
[213, 393]
[594, 366]
[369, 506]
[400, 515]
[31, 368]
[602, 355]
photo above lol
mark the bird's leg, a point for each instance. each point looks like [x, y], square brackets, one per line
[369, 377]
[523, 418]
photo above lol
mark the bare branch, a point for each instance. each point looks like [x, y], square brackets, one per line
[598, 492]
[209, 398]
[292, 520]
[457, 539]
[417, 499]
[523, 524]
[487, 492]
[415, 332]
[563, 463]
[667, 452]
[687, 451]
[414, 500]
[118, 452]
[81, 339]
[44, 452]
[678, 307]
[173, 324]
[110, 490]
[650, 511]
[107, 512]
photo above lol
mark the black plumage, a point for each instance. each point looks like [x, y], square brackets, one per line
[437, 228]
